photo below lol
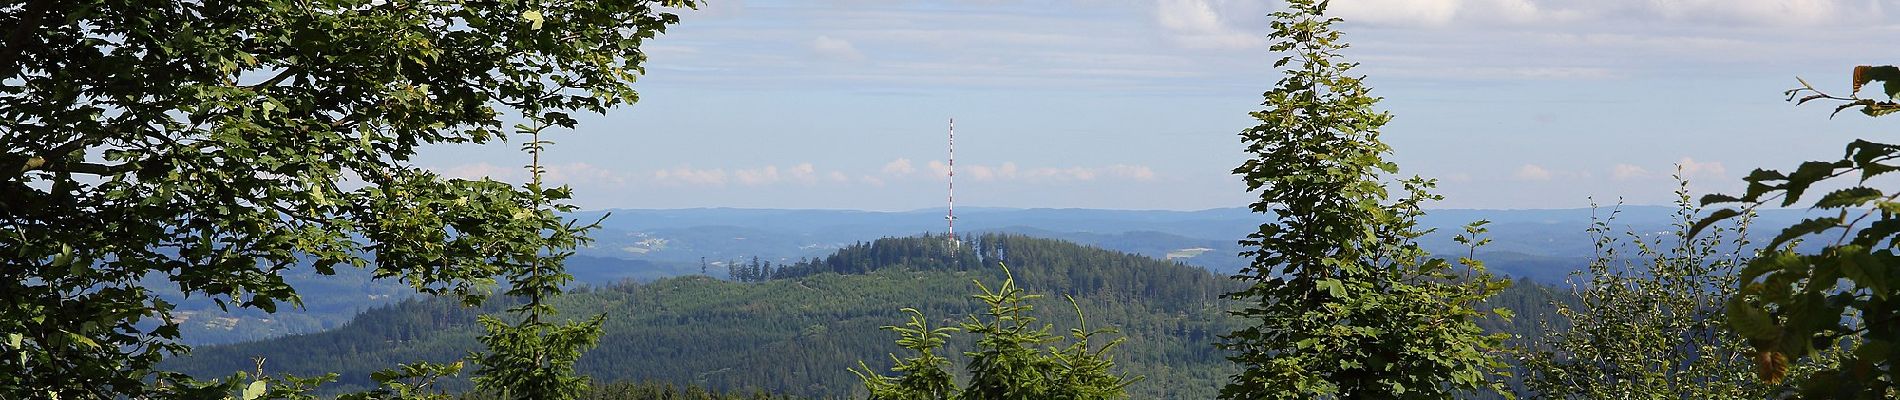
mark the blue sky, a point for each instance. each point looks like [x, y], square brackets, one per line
[1129, 104]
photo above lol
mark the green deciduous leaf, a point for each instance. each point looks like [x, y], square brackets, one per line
[81, 340]
[1874, 349]
[1809, 173]
[1712, 218]
[1805, 227]
[1345, 299]
[1871, 271]
[1332, 287]
[1718, 198]
[1752, 322]
[1849, 197]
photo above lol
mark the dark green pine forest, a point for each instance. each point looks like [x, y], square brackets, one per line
[795, 329]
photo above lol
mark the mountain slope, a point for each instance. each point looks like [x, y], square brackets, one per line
[798, 335]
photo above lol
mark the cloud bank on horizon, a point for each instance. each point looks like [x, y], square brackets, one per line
[1134, 104]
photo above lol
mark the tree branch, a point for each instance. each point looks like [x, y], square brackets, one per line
[16, 40]
[281, 76]
[87, 168]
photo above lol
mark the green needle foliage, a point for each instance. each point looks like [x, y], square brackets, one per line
[1343, 303]
[220, 143]
[1009, 362]
[923, 376]
[1648, 318]
[1793, 305]
[533, 358]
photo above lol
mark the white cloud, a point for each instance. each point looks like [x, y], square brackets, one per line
[1532, 172]
[1512, 73]
[1439, 13]
[688, 175]
[981, 172]
[1197, 24]
[1763, 12]
[836, 49]
[583, 173]
[1693, 169]
[1061, 174]
[757, 176]
[1645, 42]
[901, 166]
[1009, 171]
[801, 173]
[939, 169]
[804, 172]
[1627, 172]
[1398, 12]
[1135, 172]
[1461, 13]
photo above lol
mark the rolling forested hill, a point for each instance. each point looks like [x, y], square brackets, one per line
[796, 328]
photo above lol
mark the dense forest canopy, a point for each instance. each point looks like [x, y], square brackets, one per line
[797, 335]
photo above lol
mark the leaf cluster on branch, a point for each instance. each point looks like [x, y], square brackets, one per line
[219, 144]
[1845, 297]
[1343, 301]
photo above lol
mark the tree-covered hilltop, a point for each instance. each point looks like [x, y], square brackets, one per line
[798, 335]
[651, 391]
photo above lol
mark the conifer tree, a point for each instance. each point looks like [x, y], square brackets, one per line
[1009, 363]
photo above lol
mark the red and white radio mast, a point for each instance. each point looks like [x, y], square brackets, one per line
[951, 217]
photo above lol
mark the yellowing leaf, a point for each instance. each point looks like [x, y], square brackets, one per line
[1771, 366]
[255, 390]
[534, 19]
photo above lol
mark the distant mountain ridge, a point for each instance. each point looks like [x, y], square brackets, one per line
[1546, 238]
[644, 245]
[798, 334]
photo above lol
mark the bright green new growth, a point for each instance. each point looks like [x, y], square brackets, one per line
[1649, 324]
[919, 377]
[218, 144]
[1793, 305]
[1009, 362]
[1343, 302]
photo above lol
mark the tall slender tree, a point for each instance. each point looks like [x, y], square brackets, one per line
[1343, 302]
[534, 358]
